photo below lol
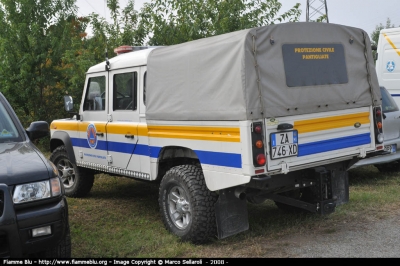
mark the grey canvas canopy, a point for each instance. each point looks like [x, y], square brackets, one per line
[271, 71]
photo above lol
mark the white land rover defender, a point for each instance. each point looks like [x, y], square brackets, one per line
[277, 112]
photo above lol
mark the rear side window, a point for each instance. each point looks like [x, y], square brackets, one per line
[95, 94]
[388, 103]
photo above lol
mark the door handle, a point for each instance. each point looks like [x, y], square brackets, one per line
[129, 136]
[100, 134]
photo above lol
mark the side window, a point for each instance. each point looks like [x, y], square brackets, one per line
[95, 94]
[144, 88]
[388, 103]
[125, 91]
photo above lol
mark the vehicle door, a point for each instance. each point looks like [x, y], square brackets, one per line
[122, 129]
[92, 127]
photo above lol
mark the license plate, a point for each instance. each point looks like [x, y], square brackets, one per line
[390, 148]
[284, 144]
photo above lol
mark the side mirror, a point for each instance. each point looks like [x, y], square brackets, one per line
[37, 130]
[68, 103]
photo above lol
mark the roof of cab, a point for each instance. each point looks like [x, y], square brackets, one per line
[131, 59]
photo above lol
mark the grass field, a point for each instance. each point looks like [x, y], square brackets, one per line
[120, 219]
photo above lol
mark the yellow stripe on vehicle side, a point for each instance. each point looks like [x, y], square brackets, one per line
[73, 125]
[77, 126]
[326, 123]
[114, 128]
[391, 43]
[196, 133]
[226, 134]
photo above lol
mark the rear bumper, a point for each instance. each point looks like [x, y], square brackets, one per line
[379, 157]
[16, 226]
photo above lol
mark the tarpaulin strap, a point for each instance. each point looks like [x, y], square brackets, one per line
[374, 101]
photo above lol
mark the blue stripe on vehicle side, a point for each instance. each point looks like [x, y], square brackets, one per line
[206, 157]
[333, 144]
[77, 142]
[395, 95]
[121, 147]
[220, 158]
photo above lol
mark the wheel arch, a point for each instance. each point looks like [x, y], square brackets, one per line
[171, 156]
[60, 138]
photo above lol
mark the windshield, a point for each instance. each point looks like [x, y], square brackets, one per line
[388, 103]
[8, 130]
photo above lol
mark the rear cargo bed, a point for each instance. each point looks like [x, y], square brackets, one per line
[318, 137]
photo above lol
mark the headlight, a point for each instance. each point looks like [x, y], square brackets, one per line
[37, 191]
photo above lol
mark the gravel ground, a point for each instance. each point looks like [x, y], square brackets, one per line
[368, 239]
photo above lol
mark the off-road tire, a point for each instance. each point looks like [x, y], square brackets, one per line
[188, 182]
[82, 178]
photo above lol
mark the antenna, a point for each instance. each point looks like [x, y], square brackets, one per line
[107, 62]
[318, 8]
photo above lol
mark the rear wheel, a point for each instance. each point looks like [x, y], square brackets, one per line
[186, 204]
[77, 181]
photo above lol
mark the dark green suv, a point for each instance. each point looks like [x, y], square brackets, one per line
[33, 208]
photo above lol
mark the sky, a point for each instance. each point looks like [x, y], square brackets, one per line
[364, 14]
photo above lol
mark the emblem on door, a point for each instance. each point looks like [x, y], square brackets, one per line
[91, 136]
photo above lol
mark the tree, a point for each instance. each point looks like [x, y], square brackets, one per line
[86, 51]
[45, 51]
[33, 38]
[175, 21]
[124, 30]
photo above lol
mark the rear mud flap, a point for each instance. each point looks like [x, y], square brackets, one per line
[231, 214]
[332, 189]
[340, 186]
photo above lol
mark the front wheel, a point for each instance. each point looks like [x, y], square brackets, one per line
[77, 181]
[186, 204]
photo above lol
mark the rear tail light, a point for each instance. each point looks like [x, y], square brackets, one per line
[258, 129]
[259, 144]
[257, 138]
[261, 160]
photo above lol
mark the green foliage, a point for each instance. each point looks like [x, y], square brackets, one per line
[33, 40]
[171, 22]
[45, 51]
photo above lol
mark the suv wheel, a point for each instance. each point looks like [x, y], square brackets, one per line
[186, 204]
